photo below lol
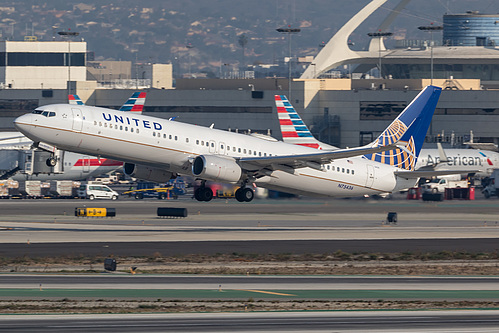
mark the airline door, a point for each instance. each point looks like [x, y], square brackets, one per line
[370, 176]
[77, 119]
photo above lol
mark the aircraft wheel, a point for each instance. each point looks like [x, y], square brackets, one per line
[197, 194]
[238, 195]
[247, 194]
[206, 194]
[51, 162]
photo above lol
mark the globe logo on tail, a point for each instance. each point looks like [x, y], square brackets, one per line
[396, 157]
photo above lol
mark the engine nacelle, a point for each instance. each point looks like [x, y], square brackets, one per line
[147, 173]
[216, 168]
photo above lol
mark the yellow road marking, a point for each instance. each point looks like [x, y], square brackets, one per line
[265, 292]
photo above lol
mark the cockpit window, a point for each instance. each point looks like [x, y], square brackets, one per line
[44, 113]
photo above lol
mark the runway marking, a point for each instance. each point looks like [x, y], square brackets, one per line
[265, 292]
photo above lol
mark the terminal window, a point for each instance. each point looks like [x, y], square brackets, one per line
[381, 110]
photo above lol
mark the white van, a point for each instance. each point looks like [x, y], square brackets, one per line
[93, 191]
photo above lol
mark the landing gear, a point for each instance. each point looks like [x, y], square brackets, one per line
[203, 194]
[51, 161]
[244, 194]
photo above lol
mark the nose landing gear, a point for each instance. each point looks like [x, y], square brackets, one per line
[51, 161]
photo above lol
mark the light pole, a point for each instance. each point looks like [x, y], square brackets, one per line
[68, 35]
[380, 36]
[431, 28]
[289, 31]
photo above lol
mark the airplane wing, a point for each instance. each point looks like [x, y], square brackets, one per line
[312, 160]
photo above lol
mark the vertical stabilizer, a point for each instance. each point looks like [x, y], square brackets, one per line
[75, 100]
[409, 128]
[293, 128]
[135, 103]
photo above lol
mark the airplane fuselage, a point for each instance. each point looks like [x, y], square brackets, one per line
[172, 146]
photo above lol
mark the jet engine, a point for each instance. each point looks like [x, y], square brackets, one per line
[147, 173]
[216, 168]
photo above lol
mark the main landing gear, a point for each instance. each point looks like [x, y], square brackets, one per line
[243, 194]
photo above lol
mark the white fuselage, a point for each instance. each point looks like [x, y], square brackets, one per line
[172, 146]
[469, 160]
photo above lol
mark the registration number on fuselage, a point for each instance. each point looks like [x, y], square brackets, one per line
[345, 187]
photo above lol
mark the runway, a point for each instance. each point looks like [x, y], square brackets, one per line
[49, 227]
[215, 282]
[329, 321]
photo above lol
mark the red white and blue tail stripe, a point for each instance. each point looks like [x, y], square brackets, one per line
[75, 100]
[293, 128]
[135, 103]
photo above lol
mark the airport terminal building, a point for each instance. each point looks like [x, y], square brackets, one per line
[344, 112]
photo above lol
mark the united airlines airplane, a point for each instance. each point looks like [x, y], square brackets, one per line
[158, 150]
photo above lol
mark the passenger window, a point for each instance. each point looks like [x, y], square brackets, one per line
[222, 146]
[244, 151]
[329, 167]
[212, 144]
[352, 172]
[164, 136]
[234, 149]
[176, 138]
[259, 153]
[239, 150]
[137, 130]
[250, 151]
[187, 140]
[170, 137]
[110, 125]
[100, 124]
[131, 129]
[348, 171]
[126, 128]
[121, 127]
[207, 144]
[343, 170]
[197, 142]
[105, 124]
[95, 123]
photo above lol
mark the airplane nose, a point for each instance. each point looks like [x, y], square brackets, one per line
[21, 122]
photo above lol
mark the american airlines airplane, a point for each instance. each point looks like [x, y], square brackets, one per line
[158, 150]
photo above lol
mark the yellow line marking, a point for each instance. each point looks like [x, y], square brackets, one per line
[265, 292]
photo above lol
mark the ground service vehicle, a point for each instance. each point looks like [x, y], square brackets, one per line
[94, 191]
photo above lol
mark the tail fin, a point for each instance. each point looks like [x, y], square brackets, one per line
[75, 100]
[293, 128]
[135, 103]
[409, 127]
